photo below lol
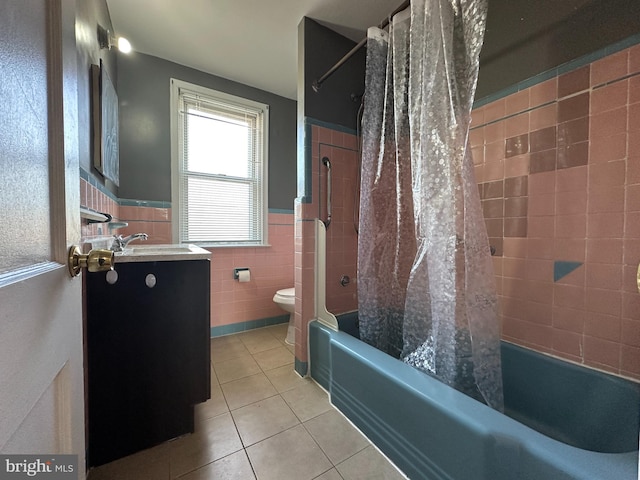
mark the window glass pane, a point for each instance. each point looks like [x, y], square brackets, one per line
[219, 210]
[217, 145]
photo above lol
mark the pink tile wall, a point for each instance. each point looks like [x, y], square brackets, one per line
[155, 222]
[583, 206]
[304, 273]
[341, 149]
[342, 240]
[94, 199]
[272, 269]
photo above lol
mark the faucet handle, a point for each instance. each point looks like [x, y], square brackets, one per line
[118, 243]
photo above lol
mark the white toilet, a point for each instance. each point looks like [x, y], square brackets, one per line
[286, 300]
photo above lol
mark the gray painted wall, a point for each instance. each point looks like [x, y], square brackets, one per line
[524, 38]
[145, 143]
[321, 49]
[90, 14]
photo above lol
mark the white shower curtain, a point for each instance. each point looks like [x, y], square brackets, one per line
[426, 289]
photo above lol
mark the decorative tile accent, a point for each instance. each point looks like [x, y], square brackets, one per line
[516, 145]
[574, 81]
[543, 139]
[493, 190]
[493, 208]
[573, 107]
[573, 155]
[563, 268]
[573, 131]
[516, 186]
[504, 203]
[515, 207]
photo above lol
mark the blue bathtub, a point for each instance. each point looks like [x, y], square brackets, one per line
[562, 421]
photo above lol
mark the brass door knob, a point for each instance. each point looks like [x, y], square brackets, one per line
[97, 260]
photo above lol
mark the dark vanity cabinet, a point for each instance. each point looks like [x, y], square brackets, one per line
[148, 353]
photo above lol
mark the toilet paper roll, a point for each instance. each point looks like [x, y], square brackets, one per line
[244, 276]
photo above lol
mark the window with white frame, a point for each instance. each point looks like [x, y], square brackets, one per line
[219, 167]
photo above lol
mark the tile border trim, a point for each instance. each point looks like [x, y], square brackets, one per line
[222, 330]
[301, 367]
[332, 126]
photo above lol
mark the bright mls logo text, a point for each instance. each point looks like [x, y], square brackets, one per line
[59, 467]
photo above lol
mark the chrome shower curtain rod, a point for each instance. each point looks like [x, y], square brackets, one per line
[317, 83]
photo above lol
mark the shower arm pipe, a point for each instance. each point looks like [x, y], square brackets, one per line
[317, 83]
[327, 163]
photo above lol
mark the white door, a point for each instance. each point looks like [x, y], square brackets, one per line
[41, 375]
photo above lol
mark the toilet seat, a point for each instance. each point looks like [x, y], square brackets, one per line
[285, 296]
[287, 292]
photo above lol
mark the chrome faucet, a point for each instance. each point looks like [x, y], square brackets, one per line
[120, 242]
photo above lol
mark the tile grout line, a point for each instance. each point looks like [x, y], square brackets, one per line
[278, 394]
[300, 421]
[303, 423]
[335, 465]
[230, 412]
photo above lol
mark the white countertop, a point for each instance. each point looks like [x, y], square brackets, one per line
[161, 253]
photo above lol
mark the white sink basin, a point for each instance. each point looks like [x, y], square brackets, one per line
[155, 253]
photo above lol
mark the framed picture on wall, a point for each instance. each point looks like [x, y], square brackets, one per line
[104, 111]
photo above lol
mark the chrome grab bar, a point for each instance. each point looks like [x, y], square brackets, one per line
[327, 163]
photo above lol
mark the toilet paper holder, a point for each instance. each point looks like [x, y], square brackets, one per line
[236, 272]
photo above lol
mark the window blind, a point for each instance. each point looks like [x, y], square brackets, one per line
[221, 169]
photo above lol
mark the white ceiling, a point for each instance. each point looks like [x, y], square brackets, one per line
[253, 42]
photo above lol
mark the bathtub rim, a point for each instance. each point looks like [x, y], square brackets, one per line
[571, 371]
[532, 447]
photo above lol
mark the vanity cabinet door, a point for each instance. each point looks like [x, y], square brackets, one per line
[148, 351]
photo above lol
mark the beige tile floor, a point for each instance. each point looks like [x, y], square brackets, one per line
[262, 422]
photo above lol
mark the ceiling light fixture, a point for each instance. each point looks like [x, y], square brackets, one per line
[107, 40]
